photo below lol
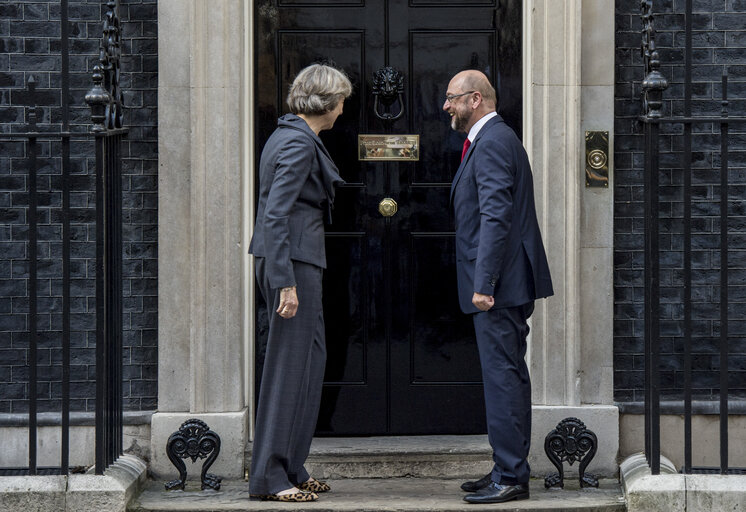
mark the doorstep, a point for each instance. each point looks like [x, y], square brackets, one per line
[440, 457]
[381, 495]
[425, 456]
[437, 456]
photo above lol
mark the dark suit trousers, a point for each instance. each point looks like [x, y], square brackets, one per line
[501, 337]
[290, 391]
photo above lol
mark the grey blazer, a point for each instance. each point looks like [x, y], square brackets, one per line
[297, 178]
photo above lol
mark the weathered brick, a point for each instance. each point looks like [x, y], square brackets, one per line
[88, 12]
[39, 28]
[729, 21]
[11, 45]
[34, 29]
[716, 39]
[13, 391]
[144, 387]
[11, 11]
[36, 11]
[12, 288]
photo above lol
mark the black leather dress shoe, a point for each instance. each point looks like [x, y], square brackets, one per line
[475, 485]
[496, 493]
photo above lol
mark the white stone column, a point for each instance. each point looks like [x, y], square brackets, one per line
[552, 133]
[202, 351]
[568, 88]
[597, 209]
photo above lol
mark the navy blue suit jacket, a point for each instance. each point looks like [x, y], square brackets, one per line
[499, 251]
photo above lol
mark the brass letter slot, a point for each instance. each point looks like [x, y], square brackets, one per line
[596, 159]
[388, 147]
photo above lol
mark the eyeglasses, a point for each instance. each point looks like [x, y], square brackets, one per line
[452, 97]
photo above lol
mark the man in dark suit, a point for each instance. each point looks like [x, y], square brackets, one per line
[501, 268]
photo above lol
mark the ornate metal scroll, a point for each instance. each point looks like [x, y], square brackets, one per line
[388, 87]
[193, 440]
[571, 441]
[106, 98]
[654, 83]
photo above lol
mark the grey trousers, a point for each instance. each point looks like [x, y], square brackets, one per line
[292, 378]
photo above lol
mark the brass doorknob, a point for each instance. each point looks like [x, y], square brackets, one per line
[387, 207]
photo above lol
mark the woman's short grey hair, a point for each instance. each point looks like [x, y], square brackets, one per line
[318, 89]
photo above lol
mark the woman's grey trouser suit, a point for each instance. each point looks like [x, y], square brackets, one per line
[292, 378]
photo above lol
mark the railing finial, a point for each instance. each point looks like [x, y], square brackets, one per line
[106, 75]
[654, 83]
[98, 99]
[33, 116]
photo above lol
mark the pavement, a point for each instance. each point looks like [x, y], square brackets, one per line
[382, 494]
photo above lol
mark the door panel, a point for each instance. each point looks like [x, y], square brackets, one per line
[402, 358]
[440, 338]
[428, 78]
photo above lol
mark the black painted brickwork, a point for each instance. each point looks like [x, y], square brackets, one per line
[30, 45]
[719, 42]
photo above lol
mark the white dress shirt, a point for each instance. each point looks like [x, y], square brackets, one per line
[478, 126]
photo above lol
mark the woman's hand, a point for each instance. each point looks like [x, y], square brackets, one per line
[288, 302]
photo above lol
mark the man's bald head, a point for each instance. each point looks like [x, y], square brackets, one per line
[473, 80]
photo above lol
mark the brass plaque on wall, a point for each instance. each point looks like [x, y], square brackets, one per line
[388, 147]
[596, 159]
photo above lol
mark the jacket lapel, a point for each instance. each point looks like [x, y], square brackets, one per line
[461, 167]
[469, 151]
[329, 173]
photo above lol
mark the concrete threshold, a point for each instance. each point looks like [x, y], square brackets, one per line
[439, 456]
[328, 447]
[401, 445]
[396, 457]
[380, 495]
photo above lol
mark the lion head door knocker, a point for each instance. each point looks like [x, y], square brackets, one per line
[388, 87]
[193, 440]
[571, 441]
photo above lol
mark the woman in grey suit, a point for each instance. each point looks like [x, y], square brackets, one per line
[297, 179]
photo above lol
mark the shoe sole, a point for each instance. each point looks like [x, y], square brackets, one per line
[487, 502]
[298, 497]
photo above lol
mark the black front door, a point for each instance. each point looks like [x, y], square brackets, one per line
[401, 356]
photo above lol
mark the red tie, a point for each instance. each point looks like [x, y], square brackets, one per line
[467, 143]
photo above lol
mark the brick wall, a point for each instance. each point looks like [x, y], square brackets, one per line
[719, 42]
[30, 46]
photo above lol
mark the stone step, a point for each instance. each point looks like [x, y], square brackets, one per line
[381, 495]
[398, 456]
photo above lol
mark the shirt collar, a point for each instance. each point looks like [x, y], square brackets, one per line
[479, 124]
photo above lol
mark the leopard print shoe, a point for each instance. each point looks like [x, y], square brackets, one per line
[296, 497]
[314, 485]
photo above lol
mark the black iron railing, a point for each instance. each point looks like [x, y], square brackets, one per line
[31, 139]
[105, 99]
[653, 87]
[108, 297]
